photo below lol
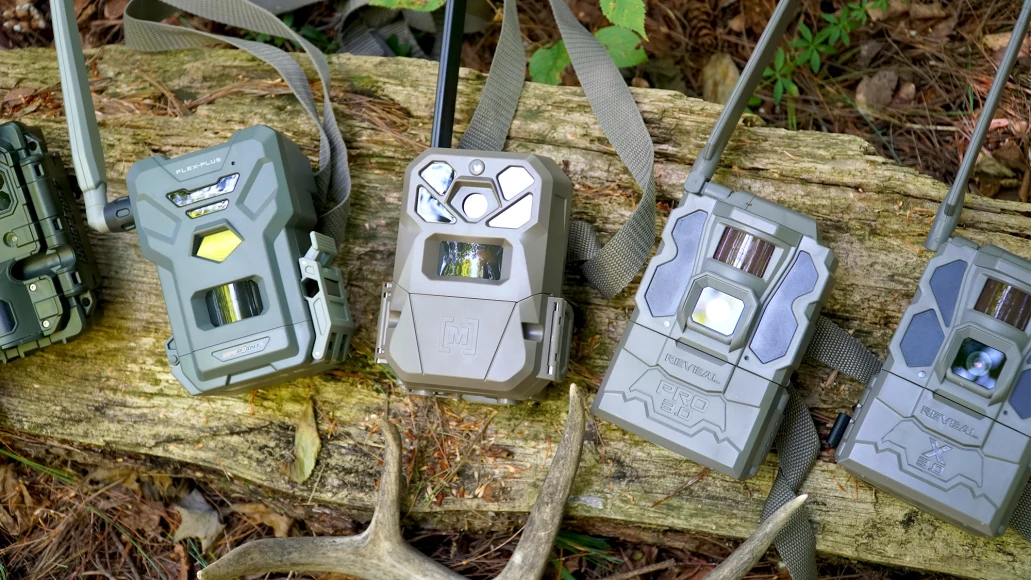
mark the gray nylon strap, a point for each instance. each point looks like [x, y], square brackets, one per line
[834, 347]
[797, 447]
[612, 266]
[283, 6]
[1021, 520]
[144, 31]
[493, 117]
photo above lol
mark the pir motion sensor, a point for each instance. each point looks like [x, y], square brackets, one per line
[723, 315]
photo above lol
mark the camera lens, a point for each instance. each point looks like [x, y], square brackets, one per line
[978, 363]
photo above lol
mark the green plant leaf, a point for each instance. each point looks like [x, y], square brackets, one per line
[805, 32]
[815, 62]
[624, 46]
[626, 14]
[778, 91]
[417, 5]
[547, 64]
[399, 48]
[755, 101]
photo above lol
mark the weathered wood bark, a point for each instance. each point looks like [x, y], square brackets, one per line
[112, 389]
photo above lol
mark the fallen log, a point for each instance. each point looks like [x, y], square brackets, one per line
[111, 390]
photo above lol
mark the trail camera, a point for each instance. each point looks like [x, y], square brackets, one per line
[724, 313]
[47, 290]
[252, 296]
[243, 256]
[946, 424]
[475, 307]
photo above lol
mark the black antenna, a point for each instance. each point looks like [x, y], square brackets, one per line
[947, 219]
[447, 75]
[708, 160]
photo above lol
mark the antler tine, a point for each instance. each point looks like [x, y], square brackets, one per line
[378, 553]
[747, 554]
[538, 536]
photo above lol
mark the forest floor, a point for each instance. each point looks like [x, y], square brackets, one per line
[910, 80]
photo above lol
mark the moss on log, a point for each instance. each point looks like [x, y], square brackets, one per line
[112, 390]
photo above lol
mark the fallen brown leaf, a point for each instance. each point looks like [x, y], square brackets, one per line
[258, 513]
[719, 77]
[877, 90]
[199, 520]
[929, 11]
[307, 444]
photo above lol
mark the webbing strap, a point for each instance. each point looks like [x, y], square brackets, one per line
[798, 444]
[144, 31]
[612, 266]
[836, 348]
[1021, 520]
[493, 116]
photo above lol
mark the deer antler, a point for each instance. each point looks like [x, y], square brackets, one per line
[380, 552]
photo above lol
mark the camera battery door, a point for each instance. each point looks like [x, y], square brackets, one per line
[49, 272]
[252, 297]
[475, 307]
[723, 317]
[946, 425]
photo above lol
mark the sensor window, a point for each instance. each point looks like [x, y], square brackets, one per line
[233, 302]
[208, 209]
[218, 245]
[718, 311]
[744, 251]
[514, 181]
[470, 260]
[438, 175]
[432, 210]
[1005, 302]
[7, 321]
[516, 216]
[223, 186]
[978, 363]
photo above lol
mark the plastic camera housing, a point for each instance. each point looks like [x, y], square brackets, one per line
[50, 275]
[687, 377]
[252, 297]
[924, 431]
[475, 308]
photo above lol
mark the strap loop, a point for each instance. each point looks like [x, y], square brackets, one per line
[798, 444]
[836, 348]
[144, 31]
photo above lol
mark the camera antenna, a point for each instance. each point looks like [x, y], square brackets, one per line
[83, 134]
[709, 159]
[447, 75]
[948, 213]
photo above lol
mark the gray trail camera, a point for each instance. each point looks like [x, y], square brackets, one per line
[946, 424]
[47, 290]
[475, 307]
[724, 313]
[252, 296]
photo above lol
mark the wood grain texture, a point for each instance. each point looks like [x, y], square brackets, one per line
[112, 388]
